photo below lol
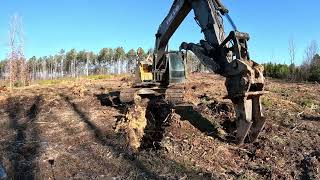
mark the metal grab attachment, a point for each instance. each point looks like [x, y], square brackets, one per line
[245, 86]
[250, 119]
[244, 80]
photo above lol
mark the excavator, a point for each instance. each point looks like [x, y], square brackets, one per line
[224, 54]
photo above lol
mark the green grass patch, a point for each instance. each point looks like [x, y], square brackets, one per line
[266, 102]
[55, 81]
[72, 79]
[309, 103]
[283, 92]
[14, 85]
[101, 76]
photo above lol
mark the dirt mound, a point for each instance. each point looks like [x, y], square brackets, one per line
[79, 90]
[3, 89]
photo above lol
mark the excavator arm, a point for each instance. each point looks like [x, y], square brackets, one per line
[207, 16]
[224, 55]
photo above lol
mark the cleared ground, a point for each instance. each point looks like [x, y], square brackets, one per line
[67, 131]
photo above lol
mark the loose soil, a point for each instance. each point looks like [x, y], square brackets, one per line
[69, 131]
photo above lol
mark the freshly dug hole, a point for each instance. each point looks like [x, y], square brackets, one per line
[145, 122]
[134, 123]
[159, 114]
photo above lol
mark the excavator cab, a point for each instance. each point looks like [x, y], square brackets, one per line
[145, 69]
[177, 70]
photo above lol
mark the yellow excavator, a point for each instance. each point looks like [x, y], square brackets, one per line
[143, 71]
[226, 55]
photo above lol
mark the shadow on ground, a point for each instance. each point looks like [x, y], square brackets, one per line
[148, 163]
[24, 148]
[103, 139]
[187, 112]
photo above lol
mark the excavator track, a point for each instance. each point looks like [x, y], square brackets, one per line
[127, 95]
[175, 95]
[172, 95]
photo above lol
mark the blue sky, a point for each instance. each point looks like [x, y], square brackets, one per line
[51, 25]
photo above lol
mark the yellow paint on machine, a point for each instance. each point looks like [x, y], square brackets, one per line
[145, 72]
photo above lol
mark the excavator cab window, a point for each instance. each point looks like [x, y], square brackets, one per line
[177, 72]
[147, 67]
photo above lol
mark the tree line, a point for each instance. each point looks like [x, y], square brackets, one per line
[74, 63]
[309, 70]
[306, 72]
[16, 70]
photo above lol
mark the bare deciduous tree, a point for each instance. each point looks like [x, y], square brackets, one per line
[292, 51]
[17, 68]
[311, 51]
[292, 55]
